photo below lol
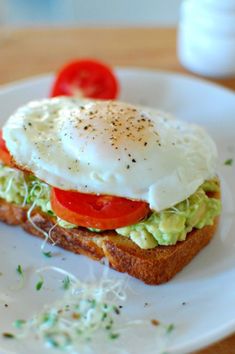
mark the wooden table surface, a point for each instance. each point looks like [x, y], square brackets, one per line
[28, 52]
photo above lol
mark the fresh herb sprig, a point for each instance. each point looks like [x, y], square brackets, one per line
[8, 335]
[20, 270]
[21, 274]
[66, 283]
[47, 254]
[228, 162]
[39, 284]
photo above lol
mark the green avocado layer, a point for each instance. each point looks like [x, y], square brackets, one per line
[26, 190]
[172, 225]
[160, 228]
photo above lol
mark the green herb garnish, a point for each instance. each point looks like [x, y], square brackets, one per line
[66, 283]
[19, 323]
[116, 310]
[228, 162]
[170, 328]
[47, 254]
[8, 335]
[104, 316]
[39, 284]
[51, 342]
[19, 270]
[113, 335]
[92, 302]
[76, 316]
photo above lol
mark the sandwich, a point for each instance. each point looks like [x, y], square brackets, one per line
[111, 180]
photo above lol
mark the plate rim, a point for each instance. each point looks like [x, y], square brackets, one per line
[186, 76]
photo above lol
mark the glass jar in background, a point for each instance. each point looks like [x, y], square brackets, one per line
[206, 37]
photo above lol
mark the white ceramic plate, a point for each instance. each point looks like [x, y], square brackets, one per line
[206, 285]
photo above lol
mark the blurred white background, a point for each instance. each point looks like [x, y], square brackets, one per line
[89, 12]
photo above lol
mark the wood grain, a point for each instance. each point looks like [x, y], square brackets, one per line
[28, 52]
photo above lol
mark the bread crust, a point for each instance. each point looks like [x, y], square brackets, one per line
[155, 266]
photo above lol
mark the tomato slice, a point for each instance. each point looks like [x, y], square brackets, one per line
[5, 156]
[86, 78]
[97, 211]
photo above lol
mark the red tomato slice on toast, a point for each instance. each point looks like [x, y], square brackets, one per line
[97, 211]
[86, 78]
[5, 156]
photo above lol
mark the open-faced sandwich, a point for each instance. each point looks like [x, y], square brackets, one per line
[109, 179]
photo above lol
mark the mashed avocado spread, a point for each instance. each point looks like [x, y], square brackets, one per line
[163, 228]
[172, 225]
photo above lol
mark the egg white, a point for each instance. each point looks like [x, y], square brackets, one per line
[110, 147]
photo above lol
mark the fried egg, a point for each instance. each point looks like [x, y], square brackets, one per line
[111, 147]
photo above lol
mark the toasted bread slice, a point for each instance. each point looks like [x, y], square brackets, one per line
[153, 266]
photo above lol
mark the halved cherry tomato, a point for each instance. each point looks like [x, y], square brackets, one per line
[5, 156]
[97, 211]
[86, 78]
